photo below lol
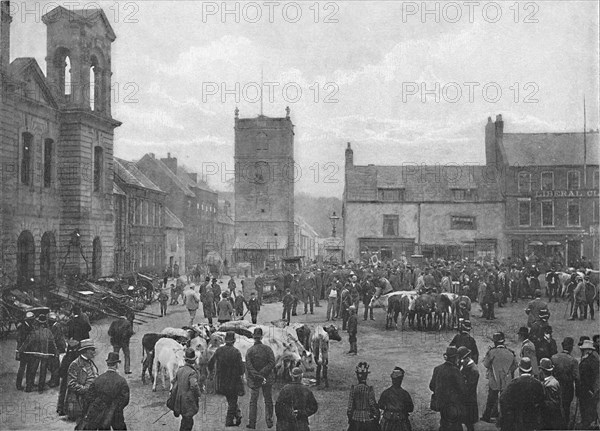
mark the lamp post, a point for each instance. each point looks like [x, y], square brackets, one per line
[334, 219]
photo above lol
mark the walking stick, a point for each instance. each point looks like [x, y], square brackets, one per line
[161, 416]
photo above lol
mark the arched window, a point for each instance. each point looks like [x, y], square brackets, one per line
[96, 258]
[48, 162]
[98, 168]
[25, 257]
[66, 80]
[48, 258]
[92, 91]
[26, 157]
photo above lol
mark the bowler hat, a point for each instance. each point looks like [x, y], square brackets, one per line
[525, 365]
[86, 344]
[466, 325]
[463, 352]
[296, 372]
[451, 352]
[587, 345]
[230, 337]
[397, 372]
[582, 339]
[568, 343]
[498, 337]
[546, 364]
[523, 330]
[113, 358]
[258, 333]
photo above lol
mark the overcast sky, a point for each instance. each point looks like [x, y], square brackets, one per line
[373, 62]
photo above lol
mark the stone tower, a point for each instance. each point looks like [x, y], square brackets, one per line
[264, 188]
[79, 76]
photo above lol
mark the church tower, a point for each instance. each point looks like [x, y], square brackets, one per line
[79, 75]
[265, 174]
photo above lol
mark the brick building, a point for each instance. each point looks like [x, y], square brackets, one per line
[56, 148]
[551, 188]
[447, 211]
[190, 200]
[264, 189]
[139, 221]
[225, 231]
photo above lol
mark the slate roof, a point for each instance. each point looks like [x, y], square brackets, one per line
[17, 69]
[117, 190]
[171, 220]
[549, 149]
[130, 174]
[422, 182]
[159, 164]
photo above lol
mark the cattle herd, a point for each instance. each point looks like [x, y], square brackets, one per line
[298, 345]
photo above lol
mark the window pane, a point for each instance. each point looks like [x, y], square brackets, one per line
[573, 180]
[547, 213]
[524, 213]
[462, 222]
[547, 180]
[573, 213]
[26, 158]
[98, 160]
[390, 225]
[524, 180]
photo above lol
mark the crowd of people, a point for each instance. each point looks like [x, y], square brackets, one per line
[540, 397]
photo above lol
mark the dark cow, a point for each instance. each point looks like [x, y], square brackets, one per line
[443, 309]
[425, 308]
[148, 343]
[320, 347]
[396, 305]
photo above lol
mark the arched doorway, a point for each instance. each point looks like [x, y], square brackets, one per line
[48, 258]
[25, 257]
[96, 258]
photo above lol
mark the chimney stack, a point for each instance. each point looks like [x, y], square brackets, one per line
[171, 163]
[5, 20]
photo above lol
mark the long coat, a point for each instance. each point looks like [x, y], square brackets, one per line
[120, 331]
[464, 339]
[107, 397]
[471, 376]
[295, 396]
[521, 404]
[229, 368]
[186, 390]
[501, 364]
[260, 363]
[82, 373]
[552, 417]
[449, 389]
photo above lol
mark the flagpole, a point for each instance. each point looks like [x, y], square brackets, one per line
[584, 147]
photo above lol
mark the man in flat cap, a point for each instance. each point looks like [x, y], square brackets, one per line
[229, 369]
[107, 396]
[552, 412]
[80, 376]
[260, 363]
[295, 404]
[396, 404]
[449, 391]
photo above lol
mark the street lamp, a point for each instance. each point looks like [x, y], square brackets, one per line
[334, 219]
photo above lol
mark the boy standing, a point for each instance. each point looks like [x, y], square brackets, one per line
[253, 307]
[288, 301]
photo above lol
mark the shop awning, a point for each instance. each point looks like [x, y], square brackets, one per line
[536, 243]
[553, 243]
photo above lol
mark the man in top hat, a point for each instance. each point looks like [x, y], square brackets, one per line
[260, 363]
[552, 411]
[566, 371]
[588, 392]
[468, 369]
[527, 348]
[186, 392]
[80, 376]
[464, 339]
[501, 364]
[295, 404]
[522, 401]
[449, 391]
[229, 369]
[396, 404]
[120, 332]
[107, 396]
[536, 332]
[546, 346]
[534, 307]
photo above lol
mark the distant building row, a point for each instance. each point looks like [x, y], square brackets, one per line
[537, 193]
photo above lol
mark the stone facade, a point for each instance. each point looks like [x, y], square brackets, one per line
[56, 146]
[192, 202]
[551, 206]
[264, 189]
[174, 241]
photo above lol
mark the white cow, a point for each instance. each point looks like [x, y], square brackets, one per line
[169, 355]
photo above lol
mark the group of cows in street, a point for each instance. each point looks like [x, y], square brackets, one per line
[298, 345]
